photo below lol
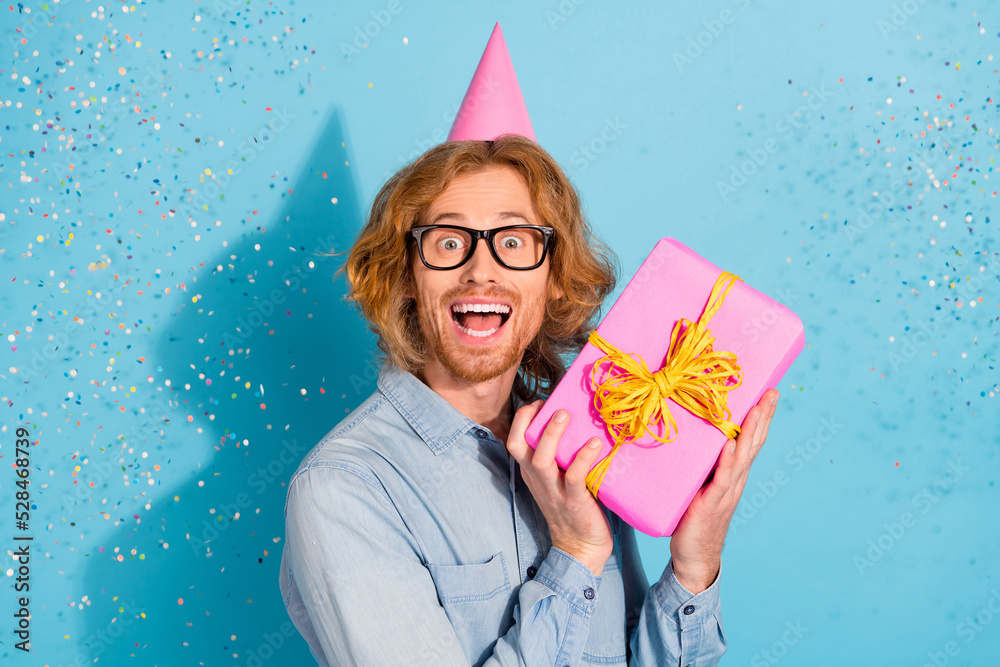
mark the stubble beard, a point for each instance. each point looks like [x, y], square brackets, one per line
[480, 364]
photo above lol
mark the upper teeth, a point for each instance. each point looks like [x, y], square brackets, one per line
[480, 308]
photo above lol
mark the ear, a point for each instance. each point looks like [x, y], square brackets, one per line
[409, 291]
[557, 292]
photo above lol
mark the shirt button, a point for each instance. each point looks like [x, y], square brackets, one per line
[588, 593]
[688, 610]
[481, 433]
[531, 571]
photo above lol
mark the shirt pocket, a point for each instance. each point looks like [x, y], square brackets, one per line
[475, 599]
[477, 582]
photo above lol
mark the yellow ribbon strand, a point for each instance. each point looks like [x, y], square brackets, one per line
[629, 397]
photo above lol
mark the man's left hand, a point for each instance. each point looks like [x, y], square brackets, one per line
[696, 544]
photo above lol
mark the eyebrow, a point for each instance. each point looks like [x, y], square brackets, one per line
[502, 215]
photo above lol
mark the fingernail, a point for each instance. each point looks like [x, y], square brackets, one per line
[774, 400]
[732, 446]
[758, 416]
[561, 416]
[594, 443]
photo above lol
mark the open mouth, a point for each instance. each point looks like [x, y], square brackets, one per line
[480, 320]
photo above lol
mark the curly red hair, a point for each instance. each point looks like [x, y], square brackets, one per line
[379, 264]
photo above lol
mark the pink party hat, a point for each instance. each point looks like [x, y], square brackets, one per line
[493, 104]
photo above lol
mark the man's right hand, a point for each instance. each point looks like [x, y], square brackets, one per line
[577, 524]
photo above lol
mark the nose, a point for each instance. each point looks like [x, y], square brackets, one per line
[481, 267]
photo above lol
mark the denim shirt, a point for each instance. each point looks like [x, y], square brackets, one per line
[411, 539]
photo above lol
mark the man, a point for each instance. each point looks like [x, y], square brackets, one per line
[411, 539]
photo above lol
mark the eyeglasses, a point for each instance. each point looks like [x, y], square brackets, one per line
[517, 247]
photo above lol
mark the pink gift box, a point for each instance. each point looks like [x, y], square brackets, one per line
[650, 484]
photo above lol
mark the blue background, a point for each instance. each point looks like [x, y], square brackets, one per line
[174, 341]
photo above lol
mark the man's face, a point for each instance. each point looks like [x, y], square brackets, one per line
[483, 200]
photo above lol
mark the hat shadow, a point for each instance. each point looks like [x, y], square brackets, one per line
[274, 359]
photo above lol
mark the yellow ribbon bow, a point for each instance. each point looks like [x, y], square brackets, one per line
[694, 375]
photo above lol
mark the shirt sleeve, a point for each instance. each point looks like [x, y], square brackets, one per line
[666, 623]
[371, 601]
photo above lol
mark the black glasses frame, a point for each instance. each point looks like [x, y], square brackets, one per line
[488, 234]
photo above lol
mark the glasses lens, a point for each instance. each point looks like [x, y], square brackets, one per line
[518, 248]
[445, 248]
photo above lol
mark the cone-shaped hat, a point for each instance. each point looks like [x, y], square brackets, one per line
[493, 104]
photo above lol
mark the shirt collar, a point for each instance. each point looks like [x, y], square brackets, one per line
[434, 419]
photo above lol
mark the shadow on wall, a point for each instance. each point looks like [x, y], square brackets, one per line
[289, 330]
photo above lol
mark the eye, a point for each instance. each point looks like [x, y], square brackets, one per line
[511, 242]
[450, 243]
